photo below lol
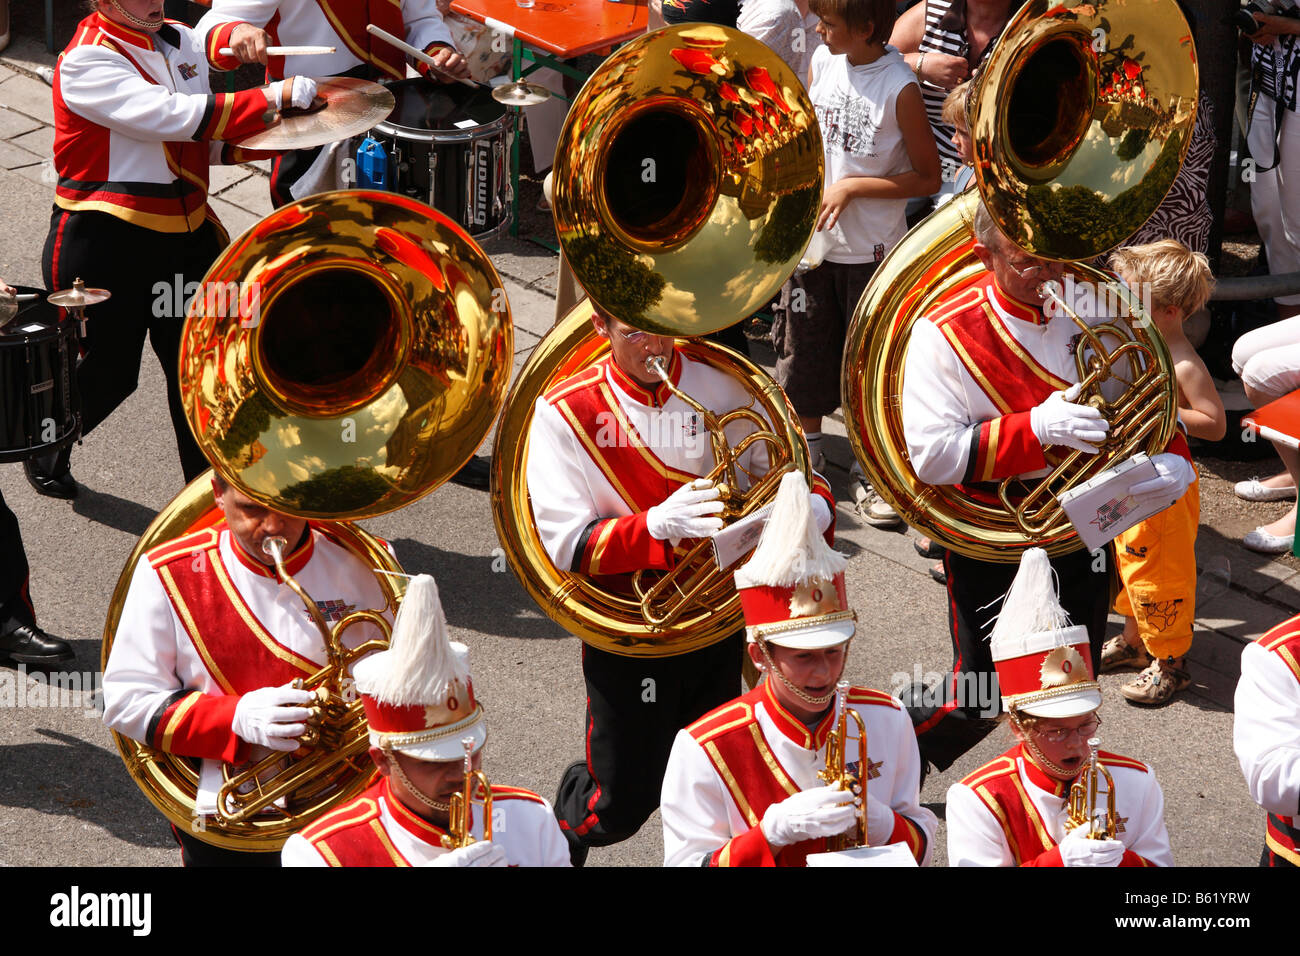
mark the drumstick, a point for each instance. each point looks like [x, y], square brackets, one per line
[286, 50]
[418, 54]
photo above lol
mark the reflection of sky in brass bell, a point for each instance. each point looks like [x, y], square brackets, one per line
[1094, 163]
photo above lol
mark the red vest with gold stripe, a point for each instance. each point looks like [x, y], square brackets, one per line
[1282, 836]
[733, 740]
[1028, 836]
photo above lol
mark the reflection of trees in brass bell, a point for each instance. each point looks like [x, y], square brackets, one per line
[787, 230]
[1076, 220]
[344, 488]
[249, 421]
[628, 285]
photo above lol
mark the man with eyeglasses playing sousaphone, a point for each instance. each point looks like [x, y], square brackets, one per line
[1047, 800]
[613, 464]
[990, 383]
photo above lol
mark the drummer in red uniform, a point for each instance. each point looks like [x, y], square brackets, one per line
[248, 27]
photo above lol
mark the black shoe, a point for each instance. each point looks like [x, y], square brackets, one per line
[934, 551]
[938, 573]
[50, 476]
[30, 645]
[577, 849]
[476, 474]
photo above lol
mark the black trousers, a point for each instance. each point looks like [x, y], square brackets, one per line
[140, 268]
[15, 603]
[952, 719]
[635, 706]
[194, 852]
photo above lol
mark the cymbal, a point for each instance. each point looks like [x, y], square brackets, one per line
[521, 93]
[351, 106]
[78, 297]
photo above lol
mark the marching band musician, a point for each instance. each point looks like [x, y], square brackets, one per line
[742, 785]
[612, 473]
[989, 383]
[1013, 810]
[209, 642]
[137, 127]
[1266, 736]
[248, 27]
[424, 719]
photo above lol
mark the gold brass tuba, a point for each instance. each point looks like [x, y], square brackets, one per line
[692, 149]
[654, 622]
[837, 774]
[344, 356]
[1078, 131]
[1082, 806]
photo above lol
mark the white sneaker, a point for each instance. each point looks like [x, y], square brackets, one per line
[1265, 543]
[874, 510]
[1253, 490]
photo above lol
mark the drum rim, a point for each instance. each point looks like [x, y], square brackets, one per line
[389, 127]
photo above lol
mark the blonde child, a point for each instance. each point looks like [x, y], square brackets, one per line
[1156, 558]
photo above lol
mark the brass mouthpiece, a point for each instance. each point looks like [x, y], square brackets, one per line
[274, 548]
[657, 365]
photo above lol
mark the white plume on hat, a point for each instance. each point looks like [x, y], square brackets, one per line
[1031, 606]
[421, 664]
[791, 548]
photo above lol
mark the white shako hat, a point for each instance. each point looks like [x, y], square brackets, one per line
[418, 695]
[1044, 664]
[792, 586]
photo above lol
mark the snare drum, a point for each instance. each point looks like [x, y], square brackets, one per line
[449, 146]
[38, 402]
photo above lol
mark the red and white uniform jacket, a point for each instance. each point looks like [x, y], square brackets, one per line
[377, 830]
[135, 120]
[604, 449]
[1010, 813]
[729, 766]
[337, 23]
[203, 623]
[1266, 732]
[975, 368]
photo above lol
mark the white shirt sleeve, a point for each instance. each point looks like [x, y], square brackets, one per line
[424, 24]
[974, 836]
[694, 806]
[1266, 731]
[563, 505]
[936, 417]
[99, 85]
[1147, 836]
[905, 796]
[298, 852]
[141, 672]
[776, 23]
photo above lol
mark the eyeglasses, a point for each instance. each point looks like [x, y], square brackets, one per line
[635, 337]
[1083, 732]
[1031, 269]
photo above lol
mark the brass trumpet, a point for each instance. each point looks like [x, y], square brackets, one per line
[1083, 799]
[836, 773]
[459, 828]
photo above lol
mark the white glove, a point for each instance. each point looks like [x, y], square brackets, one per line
[880, 821]
[1058, 421]
[272, 717]
[1174, 474]
[821, 812]
[1078, 850]
[296, 91]
[686, 513]
[476, 854]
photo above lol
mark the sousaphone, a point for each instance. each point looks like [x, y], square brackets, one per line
[686, 187]
[1080, 119]
[343, 357]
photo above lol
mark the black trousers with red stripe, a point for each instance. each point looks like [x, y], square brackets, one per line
[952, 722]
[15, 603]
[635, 707]
[142, 269]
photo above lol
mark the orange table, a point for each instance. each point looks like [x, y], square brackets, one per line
[550, 32]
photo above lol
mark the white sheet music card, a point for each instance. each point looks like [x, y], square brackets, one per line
[1102, 507]
[895, 854]
[734, 542]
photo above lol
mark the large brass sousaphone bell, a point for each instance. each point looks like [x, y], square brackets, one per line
[688, 179]
[1080, 119]
[687, 182]
[342, 358]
